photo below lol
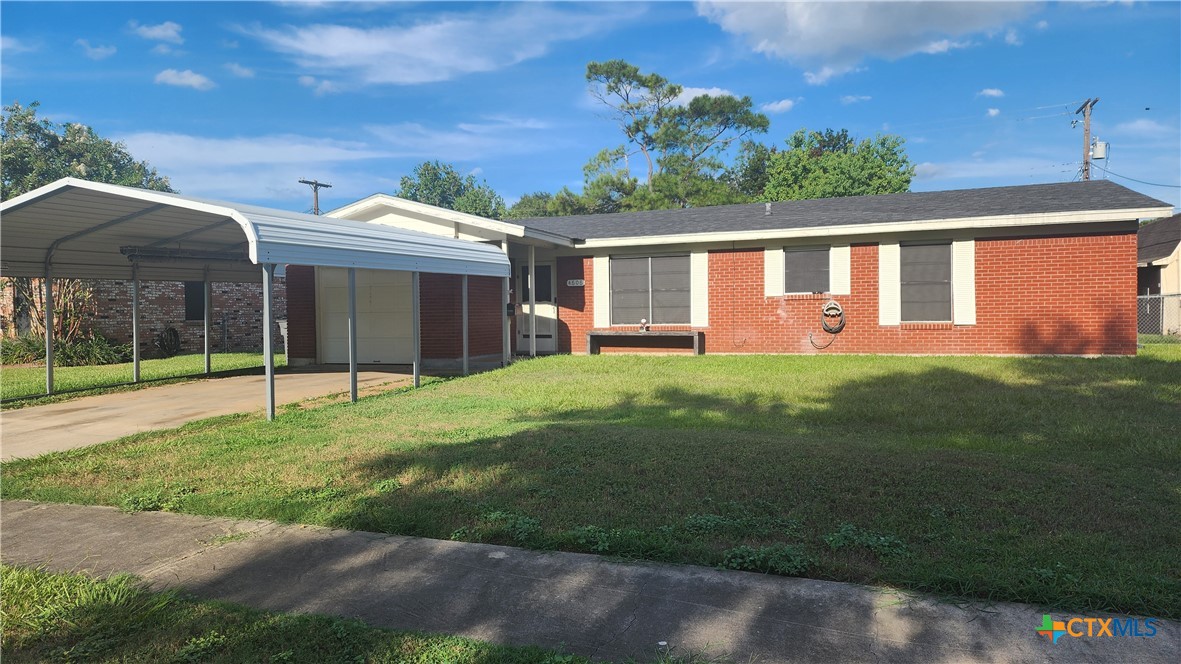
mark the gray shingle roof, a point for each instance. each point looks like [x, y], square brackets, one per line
[911, 206]
[1158, 239]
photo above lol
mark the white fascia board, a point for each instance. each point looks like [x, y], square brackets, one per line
[435, 213]
[949, 224]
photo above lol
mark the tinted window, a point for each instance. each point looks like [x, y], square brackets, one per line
[805, 270]
[926, 282]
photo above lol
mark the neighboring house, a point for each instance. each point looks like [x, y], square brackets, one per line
[237, 313]
[1158, 257]
[1158, 276]
[1038, 269]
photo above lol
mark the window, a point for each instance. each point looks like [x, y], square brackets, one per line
[926, 282]
[805, 270]
[545, 285]
[652, 287]
[194, 300]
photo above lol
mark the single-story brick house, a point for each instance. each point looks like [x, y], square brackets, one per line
[1037, 269]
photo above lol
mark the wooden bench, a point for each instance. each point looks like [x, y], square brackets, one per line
[594, 336]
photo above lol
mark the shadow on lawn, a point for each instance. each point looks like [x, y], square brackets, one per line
[1000, 490]
[1058, 487]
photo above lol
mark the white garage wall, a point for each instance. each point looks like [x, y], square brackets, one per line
[384, 324]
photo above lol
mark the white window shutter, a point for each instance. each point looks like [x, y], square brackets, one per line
[602, 291]
[699, 289]
[963, 282]
[889, 285]
[773, 271]
[840, 280]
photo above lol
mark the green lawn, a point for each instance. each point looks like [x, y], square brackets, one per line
[1048, 480]
[69, 618]
[26, 380]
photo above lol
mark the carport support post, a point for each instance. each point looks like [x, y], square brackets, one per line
[268, 337]
[48, 329]
[416, 322]
[208, 323]
[532, 302]
[506, 324]
[465, 336]
[135, 323]
[353, 334]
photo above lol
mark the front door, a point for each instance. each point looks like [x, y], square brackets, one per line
[547, 309]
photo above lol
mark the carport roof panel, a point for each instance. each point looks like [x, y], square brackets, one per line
[31, 223]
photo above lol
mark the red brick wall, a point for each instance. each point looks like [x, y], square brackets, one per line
[575, 305]
[237, 314]
[301, 312]
[441, 316]
[1072, 295]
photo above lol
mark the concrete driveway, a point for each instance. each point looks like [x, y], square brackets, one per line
[32, 431]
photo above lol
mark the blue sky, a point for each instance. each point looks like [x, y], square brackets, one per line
[238, 101]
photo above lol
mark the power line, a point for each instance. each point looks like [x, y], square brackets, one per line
[1151, 184]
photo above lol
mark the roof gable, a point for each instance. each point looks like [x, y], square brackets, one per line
[1158, 239]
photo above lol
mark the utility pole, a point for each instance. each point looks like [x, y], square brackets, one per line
[316, 185]
[1085, 109]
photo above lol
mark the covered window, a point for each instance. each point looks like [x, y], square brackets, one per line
[805, 270]
[926, 282]
[545, 279]
[194, 300]
[656, 288]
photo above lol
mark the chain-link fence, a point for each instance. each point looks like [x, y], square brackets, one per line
[1158, 318]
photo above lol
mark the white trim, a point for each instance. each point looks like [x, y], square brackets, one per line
[434, 212]
[699, 289]
[840, 280]
[773, 276]
[602, 291]
[889, 284]
[949, 224]
[963, 282]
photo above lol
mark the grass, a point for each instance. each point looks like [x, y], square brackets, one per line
[66, 617]
[1055, 481]
[27, 381]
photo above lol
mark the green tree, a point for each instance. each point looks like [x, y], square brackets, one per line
[683, 140]
[35, 152]
[831, 164]
[530, 206]
[436, 183]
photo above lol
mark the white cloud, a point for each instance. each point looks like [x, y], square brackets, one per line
[993, 112]
[1143, 128]
[95, 52]
[163, 49]
[466, 141]
[239, 71]
[781, 106]
[1012, 38]
[830, 39]
[854, 99]
[440, 48]
[168, 31]
[991, 92]
[185, 79]
[319, 87]
[14, 45]
[254, 168]
[1042, 25]
[1004, 169]
[943, 46]
[687, 94]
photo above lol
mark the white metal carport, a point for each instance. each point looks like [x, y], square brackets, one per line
[86, 230]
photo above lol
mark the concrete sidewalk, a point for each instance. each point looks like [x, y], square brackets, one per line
[580, 603]
[32, 431]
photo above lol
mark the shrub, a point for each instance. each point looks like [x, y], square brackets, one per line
[83, 351]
